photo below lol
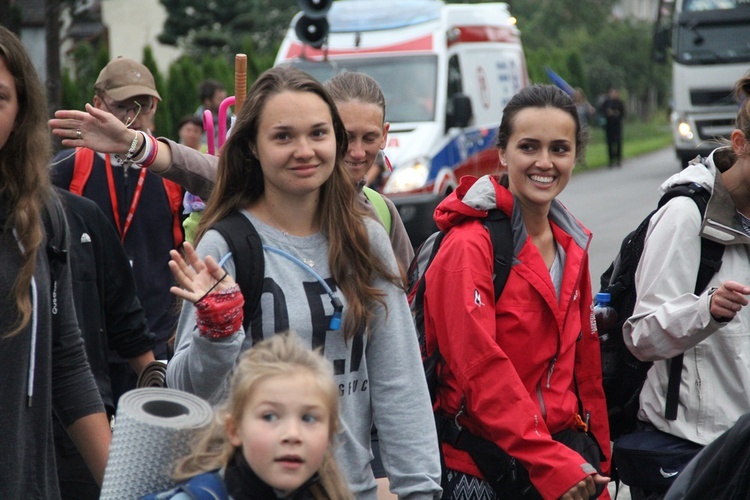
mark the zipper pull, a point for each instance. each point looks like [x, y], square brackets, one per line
[551, 369]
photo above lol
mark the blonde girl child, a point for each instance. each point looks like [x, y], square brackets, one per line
[274, 435]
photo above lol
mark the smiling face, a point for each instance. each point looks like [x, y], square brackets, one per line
[284, 431]
[366, 133]
[296, 144]
[540, 155]
[8, 103]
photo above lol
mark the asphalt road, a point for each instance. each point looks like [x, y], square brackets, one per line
[611, 202]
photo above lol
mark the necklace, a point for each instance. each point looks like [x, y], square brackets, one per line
[286, 234]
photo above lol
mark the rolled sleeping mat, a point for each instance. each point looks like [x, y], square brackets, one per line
[153, 375]
[153, 428]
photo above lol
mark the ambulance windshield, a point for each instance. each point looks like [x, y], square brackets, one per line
[409, 83]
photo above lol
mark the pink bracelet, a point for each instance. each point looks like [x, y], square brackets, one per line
[152, 156]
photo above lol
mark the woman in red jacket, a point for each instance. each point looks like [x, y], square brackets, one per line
[524, 375]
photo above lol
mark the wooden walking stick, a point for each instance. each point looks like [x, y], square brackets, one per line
[240, 81]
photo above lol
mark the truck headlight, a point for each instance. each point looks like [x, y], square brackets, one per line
[685, 131]
[407, 178]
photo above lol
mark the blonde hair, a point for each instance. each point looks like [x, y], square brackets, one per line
[742, 93]
[282, 354]
[240, 183]
[24, 179]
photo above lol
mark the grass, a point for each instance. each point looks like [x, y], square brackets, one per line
[640, 137]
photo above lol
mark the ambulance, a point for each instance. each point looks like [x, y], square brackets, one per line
[446, 70]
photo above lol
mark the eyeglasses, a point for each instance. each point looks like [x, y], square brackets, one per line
[123, 110]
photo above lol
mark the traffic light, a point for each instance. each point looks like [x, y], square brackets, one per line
[311, 26]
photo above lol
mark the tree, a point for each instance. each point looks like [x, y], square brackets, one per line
[220, 26]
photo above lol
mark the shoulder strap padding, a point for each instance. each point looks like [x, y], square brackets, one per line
[84, 163]
[381, 208]
[53, 218]
[711, 256]
[175, 195]
[247, 251]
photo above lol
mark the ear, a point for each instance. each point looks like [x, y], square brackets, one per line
[232, 432]
[386, 128]
[99, 103]
[501, 157]
[739, 142]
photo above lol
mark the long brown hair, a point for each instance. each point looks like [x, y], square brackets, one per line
[239, 184]
[282, 354]
[24, 179]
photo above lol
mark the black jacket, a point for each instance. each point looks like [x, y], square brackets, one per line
[109, 313]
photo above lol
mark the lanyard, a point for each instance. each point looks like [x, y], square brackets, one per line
[113, 198]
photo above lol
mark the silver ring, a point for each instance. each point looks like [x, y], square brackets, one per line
[79, 136]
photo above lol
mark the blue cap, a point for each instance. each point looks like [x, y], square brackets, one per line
[603, 298]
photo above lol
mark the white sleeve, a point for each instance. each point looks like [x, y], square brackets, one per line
[668, 317]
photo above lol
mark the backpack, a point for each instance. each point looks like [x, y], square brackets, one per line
[623, 374]
[501, 236]
[380, 207]
[243, 240]
[84, 163]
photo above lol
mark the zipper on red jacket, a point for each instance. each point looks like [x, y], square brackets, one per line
[551, 368]
[539, 393]
[540, 397]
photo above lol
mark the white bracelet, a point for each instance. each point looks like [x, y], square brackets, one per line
[147, 147]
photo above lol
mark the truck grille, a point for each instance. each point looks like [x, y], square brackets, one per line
[711, 129]
[712, 97]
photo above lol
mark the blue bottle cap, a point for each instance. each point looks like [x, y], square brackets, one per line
[603, 298]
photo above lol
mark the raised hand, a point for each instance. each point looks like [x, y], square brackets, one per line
[196, 277]
[94, 129]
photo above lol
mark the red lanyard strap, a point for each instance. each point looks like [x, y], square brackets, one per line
[113, 198]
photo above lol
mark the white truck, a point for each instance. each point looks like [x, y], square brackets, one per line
[710, 42]
[446, 70]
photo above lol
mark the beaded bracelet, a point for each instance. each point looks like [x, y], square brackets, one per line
[143, 144]
[131, 151]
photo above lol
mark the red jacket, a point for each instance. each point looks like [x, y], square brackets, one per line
[510, 368]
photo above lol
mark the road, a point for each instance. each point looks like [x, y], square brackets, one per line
[611, 202]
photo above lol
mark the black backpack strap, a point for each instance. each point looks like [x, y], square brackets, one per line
[501, 236]
[53, 218]
[711, 255]
[247, 251]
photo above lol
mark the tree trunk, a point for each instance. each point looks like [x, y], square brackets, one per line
[52, 29]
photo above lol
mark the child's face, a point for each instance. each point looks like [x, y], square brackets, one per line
[284, 430]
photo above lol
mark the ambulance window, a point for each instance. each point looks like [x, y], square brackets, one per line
[454, 77]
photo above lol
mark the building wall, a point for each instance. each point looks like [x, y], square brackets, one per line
[644, 10]
[134, 24]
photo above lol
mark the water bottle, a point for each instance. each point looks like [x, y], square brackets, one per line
[610, 339]
[605, 315]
